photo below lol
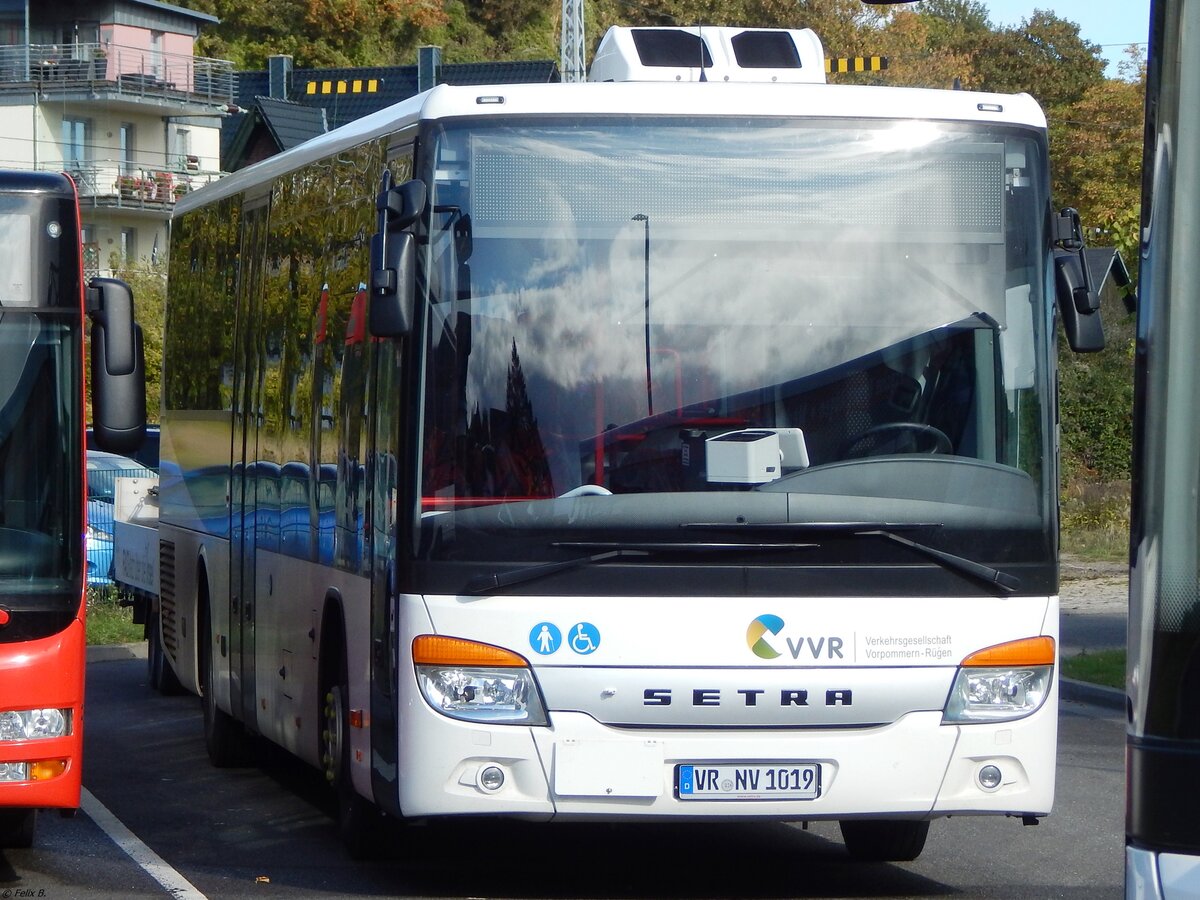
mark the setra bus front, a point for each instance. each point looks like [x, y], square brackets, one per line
[736, 488]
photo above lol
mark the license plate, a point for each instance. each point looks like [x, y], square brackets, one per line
[774, 781]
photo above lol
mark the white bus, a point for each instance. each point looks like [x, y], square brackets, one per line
[679, 444]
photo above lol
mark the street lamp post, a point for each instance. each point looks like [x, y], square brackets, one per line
[643, 218]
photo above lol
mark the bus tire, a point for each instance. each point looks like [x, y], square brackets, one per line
[17, 827]
[162, 677]
[359, 820]
[884, 840]
[223, 736]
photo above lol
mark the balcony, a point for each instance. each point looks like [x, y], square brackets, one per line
[109, 184]
[115, 73]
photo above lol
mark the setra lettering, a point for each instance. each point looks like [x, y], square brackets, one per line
[712, 697]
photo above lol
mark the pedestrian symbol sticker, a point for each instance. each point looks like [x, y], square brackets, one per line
[584, 637]
[545, 638]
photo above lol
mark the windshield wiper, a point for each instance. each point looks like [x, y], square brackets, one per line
[888, 530]
[979, 570]
[609, 550]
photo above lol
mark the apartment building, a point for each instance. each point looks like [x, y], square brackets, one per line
[111, 92]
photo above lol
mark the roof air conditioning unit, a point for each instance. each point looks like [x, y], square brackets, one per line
[710, 54]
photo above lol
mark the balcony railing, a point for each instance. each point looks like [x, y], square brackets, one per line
[116, 70]
[112, 183]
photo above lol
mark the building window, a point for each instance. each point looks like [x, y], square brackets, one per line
[91, 251]
[156, 54]
[126, 149]
[183, 147]
[75, 134]
[128, 245]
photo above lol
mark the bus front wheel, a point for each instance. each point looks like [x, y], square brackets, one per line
[17, 827]
[884, 840]
[161, 676]
[358, 818]
[223, 736]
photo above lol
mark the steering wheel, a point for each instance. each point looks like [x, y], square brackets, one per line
[587, 490]
[916, 431]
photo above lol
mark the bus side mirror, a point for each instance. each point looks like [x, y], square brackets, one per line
[393, 284]
[394, 257]
[1078, 304]
[1078, 300]
[110, 307]
[118, 372]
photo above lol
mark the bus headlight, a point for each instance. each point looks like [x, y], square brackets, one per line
[1007, 681]
[40, 770]
[30, 724]
[477, 682]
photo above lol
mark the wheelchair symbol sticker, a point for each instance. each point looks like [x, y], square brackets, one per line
[545, 638]
[584, 638]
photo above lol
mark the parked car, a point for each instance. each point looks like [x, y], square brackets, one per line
[99, 543]
[103, 469]
[146, 454]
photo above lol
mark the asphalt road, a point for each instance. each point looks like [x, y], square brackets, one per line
[267, 831]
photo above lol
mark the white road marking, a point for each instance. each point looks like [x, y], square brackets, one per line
[153, 864]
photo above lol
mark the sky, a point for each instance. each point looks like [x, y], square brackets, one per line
[1114, 24]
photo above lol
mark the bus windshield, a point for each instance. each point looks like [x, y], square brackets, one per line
[671, 322]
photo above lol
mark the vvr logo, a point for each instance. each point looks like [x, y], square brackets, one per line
[756, 635]
[813, 647]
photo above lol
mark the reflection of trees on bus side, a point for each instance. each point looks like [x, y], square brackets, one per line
[307, 357]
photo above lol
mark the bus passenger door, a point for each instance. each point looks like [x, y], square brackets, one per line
[247, 421]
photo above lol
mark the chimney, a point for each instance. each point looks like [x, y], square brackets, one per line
[279, 73]
[429, 67]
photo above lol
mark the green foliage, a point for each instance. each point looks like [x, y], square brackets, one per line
[1095, 520]
[1044, 55]
[1096, 402]
[1104, 667]
[149, 285]
[108, 622]
[955, 17]
[477, 32]
[318, 32]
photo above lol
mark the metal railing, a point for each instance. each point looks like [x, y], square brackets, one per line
[111, 182]
[114, 69]
[149, 181]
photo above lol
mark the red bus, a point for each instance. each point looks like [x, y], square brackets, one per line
[43, 302]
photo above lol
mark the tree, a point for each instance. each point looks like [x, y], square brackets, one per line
[1044, 55]
[1096, 145]
[911, 43]
[318, 32]
[955, 17]
[149, 286]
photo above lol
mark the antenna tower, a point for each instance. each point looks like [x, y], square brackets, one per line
[572, 67]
